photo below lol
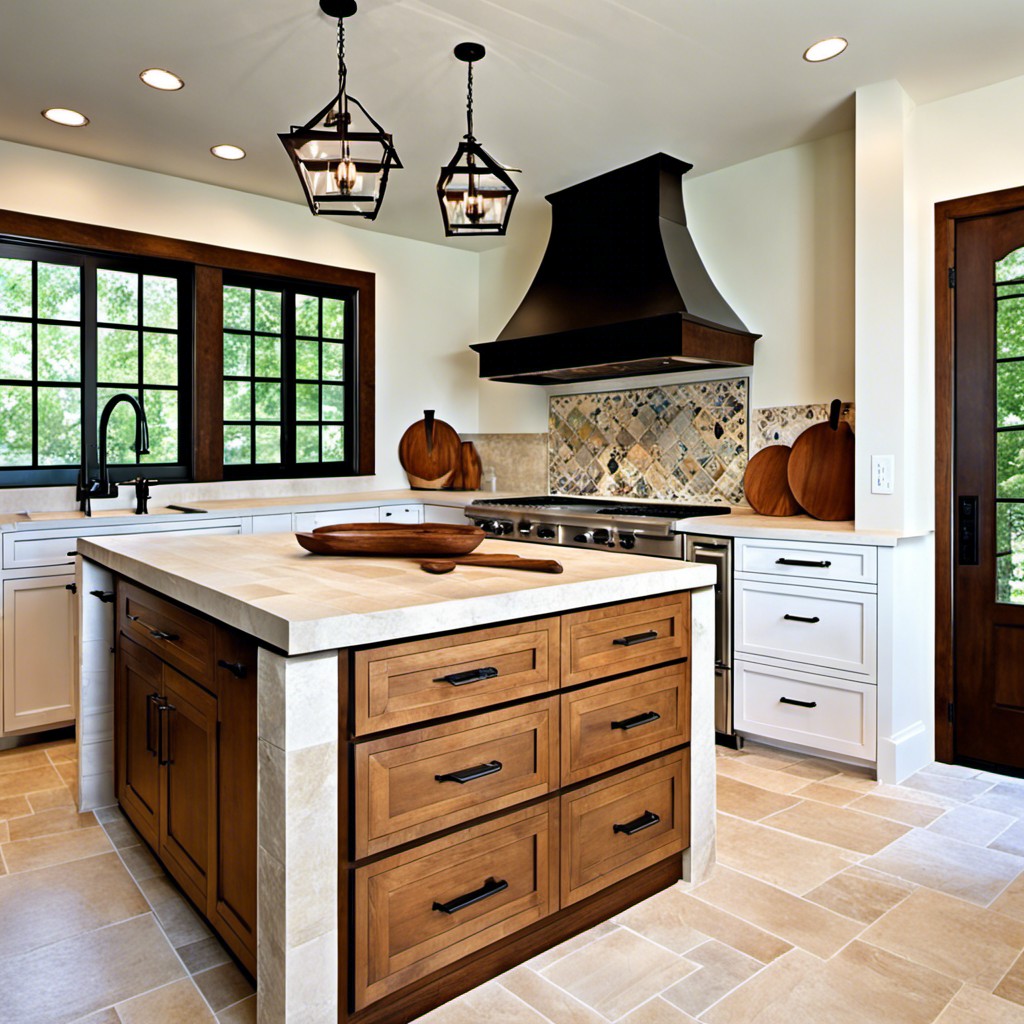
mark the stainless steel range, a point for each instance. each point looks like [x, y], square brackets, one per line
[645, 529]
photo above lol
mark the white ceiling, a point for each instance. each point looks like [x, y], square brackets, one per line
[570, 88]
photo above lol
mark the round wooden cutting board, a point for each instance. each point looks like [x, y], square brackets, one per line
[766, 482]
[821, 469]
[429, 452]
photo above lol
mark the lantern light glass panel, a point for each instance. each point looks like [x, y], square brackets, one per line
[476, 193]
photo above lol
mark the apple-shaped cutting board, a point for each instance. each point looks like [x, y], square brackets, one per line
[821, 468]
[766, 482]
[429, 452]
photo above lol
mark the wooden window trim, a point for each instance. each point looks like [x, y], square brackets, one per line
[210, 261]
[947, 214]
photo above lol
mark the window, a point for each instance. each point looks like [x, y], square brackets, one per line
[288, 405]
[75, 330]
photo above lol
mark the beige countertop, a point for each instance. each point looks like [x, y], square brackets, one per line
[266, 585]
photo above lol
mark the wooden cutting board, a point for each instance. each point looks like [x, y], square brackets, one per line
[821, 469]
[469, 470]
[766, 482]
[429, 452]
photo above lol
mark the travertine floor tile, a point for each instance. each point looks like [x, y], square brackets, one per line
[679, 921]
[751, 802]
[14, 807]
[1006, 797]
[813, 768]
[47, 799]
[950, 771]
[47, 823]
[838, 826]
[223, 986]
[618, 972]
[972, 824]
[764, 778]
[19, 759]
[121, 834]
[28, 780]
[1012, 986]
[45, 906]
[1011, 841]
[861, 985]
[548, 999]
[202, 955]
[29, 854]
[141, 863]
[658, 1011]
[107, 1016]
[563, 949]
[111, 813]
[179, 1002]
[63, 753]
[973, 873]
[77, 976]
[805, 924]
[909, 812]
[956, 938]
[974, 1006]
[721, 970]
[758, 756]
[180, 922]
[788, 861]
[490, 1003]
[941, 785]
[1011, 901]
[241, 1013]
[5, 833]
[861, 893]
[68, 773]
[826, 793]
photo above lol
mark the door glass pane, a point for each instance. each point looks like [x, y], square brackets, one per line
[1010, 554]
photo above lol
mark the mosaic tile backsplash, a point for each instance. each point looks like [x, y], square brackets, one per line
[783, 424]
[687, 442]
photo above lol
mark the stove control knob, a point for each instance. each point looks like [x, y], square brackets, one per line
[525, 529]
[600, 536]
[584, 538]
[627, 540]
[546, 532]
[503, 528]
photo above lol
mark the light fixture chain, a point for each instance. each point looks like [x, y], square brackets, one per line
[469, 103]
[342, 70]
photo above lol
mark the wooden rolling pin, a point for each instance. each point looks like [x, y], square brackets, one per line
[437, 566]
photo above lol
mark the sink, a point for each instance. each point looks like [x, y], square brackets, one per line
[108, 513]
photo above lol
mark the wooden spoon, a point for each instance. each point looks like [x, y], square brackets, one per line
[437, 566]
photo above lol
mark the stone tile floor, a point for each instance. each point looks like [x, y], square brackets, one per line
[835, 899]
[91, 929]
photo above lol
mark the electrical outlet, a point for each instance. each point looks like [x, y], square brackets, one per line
[883, 471]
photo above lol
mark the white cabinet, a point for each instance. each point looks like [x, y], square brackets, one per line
[39, 622]
[401, 514]
[445, 514]
[304, 522]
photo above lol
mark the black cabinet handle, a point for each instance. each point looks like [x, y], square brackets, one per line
[802, 618]
[490, 888]
[106, 596]
[152, 702]
[646, 820]
[159, 634]
[799, 703]
[636, 638]
[474, 675]
[236, 668]
[72, 554]
[464, 775]
[164, 739]
[803, 562]
[631, 723]
[73, 587]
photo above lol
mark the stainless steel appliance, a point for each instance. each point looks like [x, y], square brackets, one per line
[717, 551]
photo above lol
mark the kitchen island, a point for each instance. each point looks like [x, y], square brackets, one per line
[391, 870]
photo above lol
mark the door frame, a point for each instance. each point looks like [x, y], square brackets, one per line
[947, 215]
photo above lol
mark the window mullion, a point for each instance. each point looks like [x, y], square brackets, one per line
[89, 341]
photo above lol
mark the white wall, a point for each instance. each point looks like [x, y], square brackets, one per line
[427, 295]
[776, 235]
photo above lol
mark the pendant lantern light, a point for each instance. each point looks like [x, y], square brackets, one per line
[475, 190]
[344, 172]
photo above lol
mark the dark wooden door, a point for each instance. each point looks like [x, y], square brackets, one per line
[138, 695]
[989, 511]
[188, 745]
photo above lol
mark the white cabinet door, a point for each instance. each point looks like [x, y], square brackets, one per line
[445, 514]
[306, 521]
[39, 617]
[401, 514]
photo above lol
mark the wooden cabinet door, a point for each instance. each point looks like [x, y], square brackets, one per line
[188, 756]
[38, 671]
[138, 694]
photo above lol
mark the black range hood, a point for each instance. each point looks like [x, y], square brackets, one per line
[621, 290]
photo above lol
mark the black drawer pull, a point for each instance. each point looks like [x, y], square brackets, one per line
[799, 703]
[642, 719]
[804, 562]
[646, 820]
[236, 668]
[106, 596]
[72, 554]
[73, 587]
[159, 634]
[164, 739]
[464, 775]
[490, 888]
[474, 675]
[802, 618]
[636, 638]
[152, 704]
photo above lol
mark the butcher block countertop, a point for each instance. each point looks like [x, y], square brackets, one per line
[266, 585]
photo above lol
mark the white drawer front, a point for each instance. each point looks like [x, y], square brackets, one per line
[401, 514]
[444, 514]
[831, 628]
[840, 718]
[306, 521]
[851, 563]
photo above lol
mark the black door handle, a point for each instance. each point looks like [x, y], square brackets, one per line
[236, 668]
[464, 775]
[164, 755]
[799, 703]
[646, 820]
[967, 530]
[490, 888]
[474, 675]
[636, 638]
[802, 618]
[73, 587]
[804, 562]
[106, 596]
[631, 723]
[152, 702]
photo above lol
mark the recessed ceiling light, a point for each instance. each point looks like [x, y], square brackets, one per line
[158, 78]
[65, 116]
[226, 152]
[825, 49]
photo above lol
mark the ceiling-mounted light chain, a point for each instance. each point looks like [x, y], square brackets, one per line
[343, 172]
[475, 191]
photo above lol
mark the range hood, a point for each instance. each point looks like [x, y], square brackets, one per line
[621, 290]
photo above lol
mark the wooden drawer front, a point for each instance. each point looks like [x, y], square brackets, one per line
[830, 628]
[851, 563]
[618, 639]
[610, 724]
[399, 797]
[405, 683]
[182, 639]
[836, 715]
[596, 848]
[401, 935]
